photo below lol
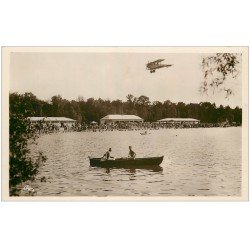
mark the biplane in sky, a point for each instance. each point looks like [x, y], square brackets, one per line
[152, 66]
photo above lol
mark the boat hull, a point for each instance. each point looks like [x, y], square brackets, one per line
[150, 162]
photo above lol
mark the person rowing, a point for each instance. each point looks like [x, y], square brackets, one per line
[107, 155]
[131, 153]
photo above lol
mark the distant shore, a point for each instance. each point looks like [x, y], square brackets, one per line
[48, 129]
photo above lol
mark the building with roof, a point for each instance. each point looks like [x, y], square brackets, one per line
[120, 118]
[54, 120]
[179, 121]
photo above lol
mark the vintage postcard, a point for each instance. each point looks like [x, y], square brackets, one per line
[125, 123]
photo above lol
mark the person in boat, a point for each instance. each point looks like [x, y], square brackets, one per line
[107, 155]
[131, 153]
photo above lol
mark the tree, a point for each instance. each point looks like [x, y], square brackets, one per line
[21, 132]
[117, 107]
[238, 115]
[181, 109]
[47, 109]
[169, 110]
[193, 110]
[156, 111]
[207, 113]
[130, 98]
[143, 100]
[85, 111]
[217, 69]
[142, 106]
[58, 105]
[129, 106]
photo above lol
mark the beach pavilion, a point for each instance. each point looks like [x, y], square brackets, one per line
[120, 118]
[53, 120]
[179, 121]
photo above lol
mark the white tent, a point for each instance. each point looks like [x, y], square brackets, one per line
[52, 119]
[120, 118]
[179, 120]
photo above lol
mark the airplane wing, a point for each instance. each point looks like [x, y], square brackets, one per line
[163, 65]
[157, 61]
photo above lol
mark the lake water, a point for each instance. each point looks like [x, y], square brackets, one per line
[197, 162]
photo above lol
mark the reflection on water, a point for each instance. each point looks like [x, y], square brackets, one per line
[133, 170]
[197, 162]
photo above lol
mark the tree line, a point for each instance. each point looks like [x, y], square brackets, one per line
[85, 111]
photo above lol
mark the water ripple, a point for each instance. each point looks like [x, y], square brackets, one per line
[196, 162]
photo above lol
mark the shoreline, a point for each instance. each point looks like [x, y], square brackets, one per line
[93, 130]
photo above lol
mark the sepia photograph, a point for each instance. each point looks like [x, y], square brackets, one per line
[125, 123]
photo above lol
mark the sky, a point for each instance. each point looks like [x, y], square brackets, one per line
[113, 76]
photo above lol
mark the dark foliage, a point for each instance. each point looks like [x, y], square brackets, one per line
[216, 69]
[85, 111]
[21, 166]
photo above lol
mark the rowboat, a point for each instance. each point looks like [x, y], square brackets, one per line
[143, 163]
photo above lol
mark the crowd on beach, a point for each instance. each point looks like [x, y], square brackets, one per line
[122, 126]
